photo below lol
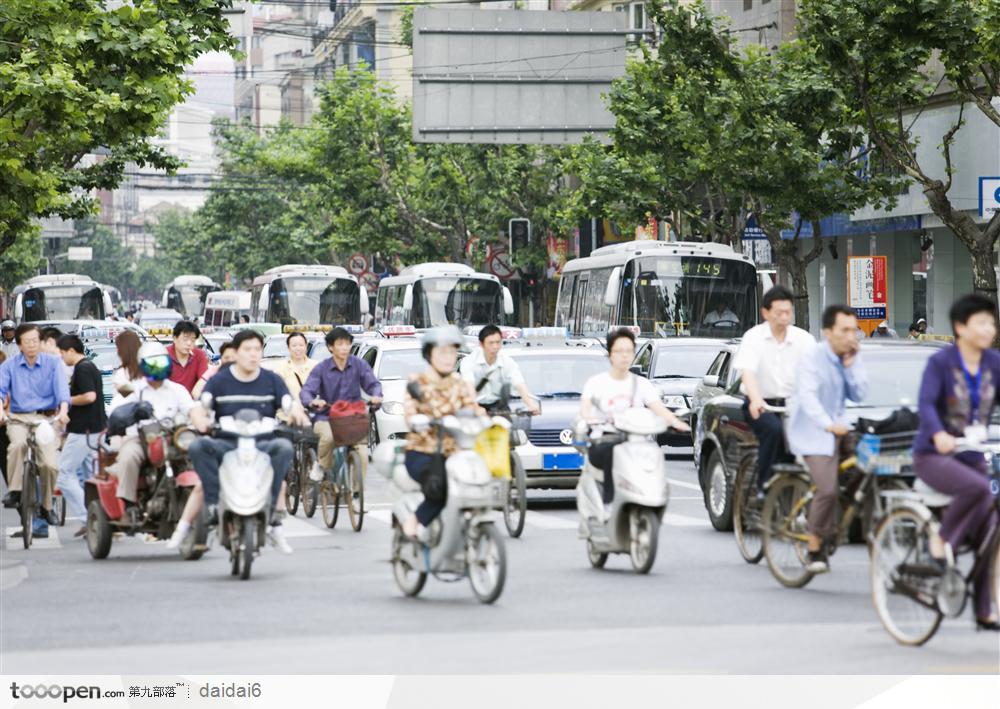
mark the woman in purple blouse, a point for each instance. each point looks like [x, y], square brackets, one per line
[960, 388]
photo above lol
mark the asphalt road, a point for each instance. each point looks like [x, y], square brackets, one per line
[333, 607]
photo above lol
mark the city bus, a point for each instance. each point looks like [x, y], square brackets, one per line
[312, 296]
[435, 294]
[661, 289]
[64, 296]
[186, 295]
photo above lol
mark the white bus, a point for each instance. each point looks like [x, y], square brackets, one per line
[64, 296]
[225, 307]
[435, 294]
[663, 288]
[309, 296]
[186, 295]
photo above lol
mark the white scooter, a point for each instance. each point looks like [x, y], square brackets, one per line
[463, 540]
[632, 524]
[245, 478]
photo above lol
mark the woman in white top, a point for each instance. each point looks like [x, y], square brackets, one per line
[614, 392]
[128, 377]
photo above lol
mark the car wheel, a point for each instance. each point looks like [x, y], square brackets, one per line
[718, 495]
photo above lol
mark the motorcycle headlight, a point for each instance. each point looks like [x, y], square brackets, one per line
[184, 438]
[393, 408]
[674, 402]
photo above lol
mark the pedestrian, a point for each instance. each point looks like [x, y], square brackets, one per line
[884, 331]
[7, 344]
[36, 383]
[768, 359]
[830, 372]
[86, 421]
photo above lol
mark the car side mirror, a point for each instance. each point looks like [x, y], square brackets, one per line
[710, 380]
[635, 369]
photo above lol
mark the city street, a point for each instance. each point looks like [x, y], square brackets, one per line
[333, 607]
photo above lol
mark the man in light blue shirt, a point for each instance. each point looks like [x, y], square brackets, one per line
[36, 384]
[828, 374]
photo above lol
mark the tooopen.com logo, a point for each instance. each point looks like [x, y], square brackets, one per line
[58, 691]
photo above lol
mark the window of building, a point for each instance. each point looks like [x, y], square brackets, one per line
[747, 5]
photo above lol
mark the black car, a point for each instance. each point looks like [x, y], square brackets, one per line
[894, 372]
[676, 366]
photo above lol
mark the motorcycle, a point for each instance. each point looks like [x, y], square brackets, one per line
[245, 478]
[462, 540]
[632, 524]
[162, 492]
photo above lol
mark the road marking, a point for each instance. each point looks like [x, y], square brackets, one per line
[297, 528]
[383, 516]
[544, 521]
[52, 542]
[672, 520]
[682, 483]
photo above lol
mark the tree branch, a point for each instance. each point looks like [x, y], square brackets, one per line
[946, 142]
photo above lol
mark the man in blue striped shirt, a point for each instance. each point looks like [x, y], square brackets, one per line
[36, 384]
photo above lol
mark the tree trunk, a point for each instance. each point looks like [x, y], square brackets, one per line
[793, 262]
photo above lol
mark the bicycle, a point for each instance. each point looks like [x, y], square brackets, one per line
[30, 480]
[790, 493]
[910, 592]
[515, 506]
[747, 506]
[298, 484]
[346, 481]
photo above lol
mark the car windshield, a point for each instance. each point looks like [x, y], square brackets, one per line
[683, 362]
[894, 376]
[67, 302]
[565, 379]
[397, 364]
[315, 300]
[105, 359]
[276, 347]
[189, 300]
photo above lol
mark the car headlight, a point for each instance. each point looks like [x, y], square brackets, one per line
[674, 402]
[393, 408]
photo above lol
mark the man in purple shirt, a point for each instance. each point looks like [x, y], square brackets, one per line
[36, 384]
[340, 378]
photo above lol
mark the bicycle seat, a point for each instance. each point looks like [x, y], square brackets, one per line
[929, 496]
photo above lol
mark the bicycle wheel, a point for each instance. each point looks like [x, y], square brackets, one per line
[515, 507]
[28, 503]
[905, 599]
[746, 512]
[784, 530]
[292, 492]
[309, 490]
[329, 502]
[354, 493]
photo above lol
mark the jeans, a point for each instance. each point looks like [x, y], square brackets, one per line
[206, 455]
[416, 465]
[770, 440]
[76, 462]
[970, 516]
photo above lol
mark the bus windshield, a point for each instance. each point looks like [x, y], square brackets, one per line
[312, 300]
[691, 296]
[63, 303]
[455, 301]
[189, 301]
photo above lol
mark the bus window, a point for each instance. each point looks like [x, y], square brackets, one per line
[597, 318]
[565, 300]
[580, 302]
[398, 316]
[626, 302]
[380, 301]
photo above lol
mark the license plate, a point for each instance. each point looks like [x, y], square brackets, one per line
[562, 461]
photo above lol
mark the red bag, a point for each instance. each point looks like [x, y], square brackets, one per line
[348, 422]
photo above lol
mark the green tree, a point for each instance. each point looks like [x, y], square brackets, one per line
[20, 262]
[927, 52]
[79, 76]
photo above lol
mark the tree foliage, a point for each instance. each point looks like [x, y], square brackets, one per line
[86, 76]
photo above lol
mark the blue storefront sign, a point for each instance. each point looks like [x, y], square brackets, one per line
[840, 225]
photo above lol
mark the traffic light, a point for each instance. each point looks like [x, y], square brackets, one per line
[520, 234]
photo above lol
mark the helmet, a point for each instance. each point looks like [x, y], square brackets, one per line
[7, 325]
[440, 337]
[154, 361]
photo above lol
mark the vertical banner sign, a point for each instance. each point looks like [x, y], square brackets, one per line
[558, 250]
[868, 290]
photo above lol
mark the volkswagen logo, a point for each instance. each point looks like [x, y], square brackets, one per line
[566, 437]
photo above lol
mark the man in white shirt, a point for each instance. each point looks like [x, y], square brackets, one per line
[722, 314]
[488, 370]
[767, 360]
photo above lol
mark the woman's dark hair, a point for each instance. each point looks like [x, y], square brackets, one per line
[184, 327]
[618, 334]
[128, 343]
[244, 335]
[338, 333]
[969, 305]
[488, 331]
[831, 313]
[775, 294]
[70, 342]
[50, 333]
[228, 345]
[288, 340]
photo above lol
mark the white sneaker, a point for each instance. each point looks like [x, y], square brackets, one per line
[276, 536]
[175, 539]
[316, 473]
